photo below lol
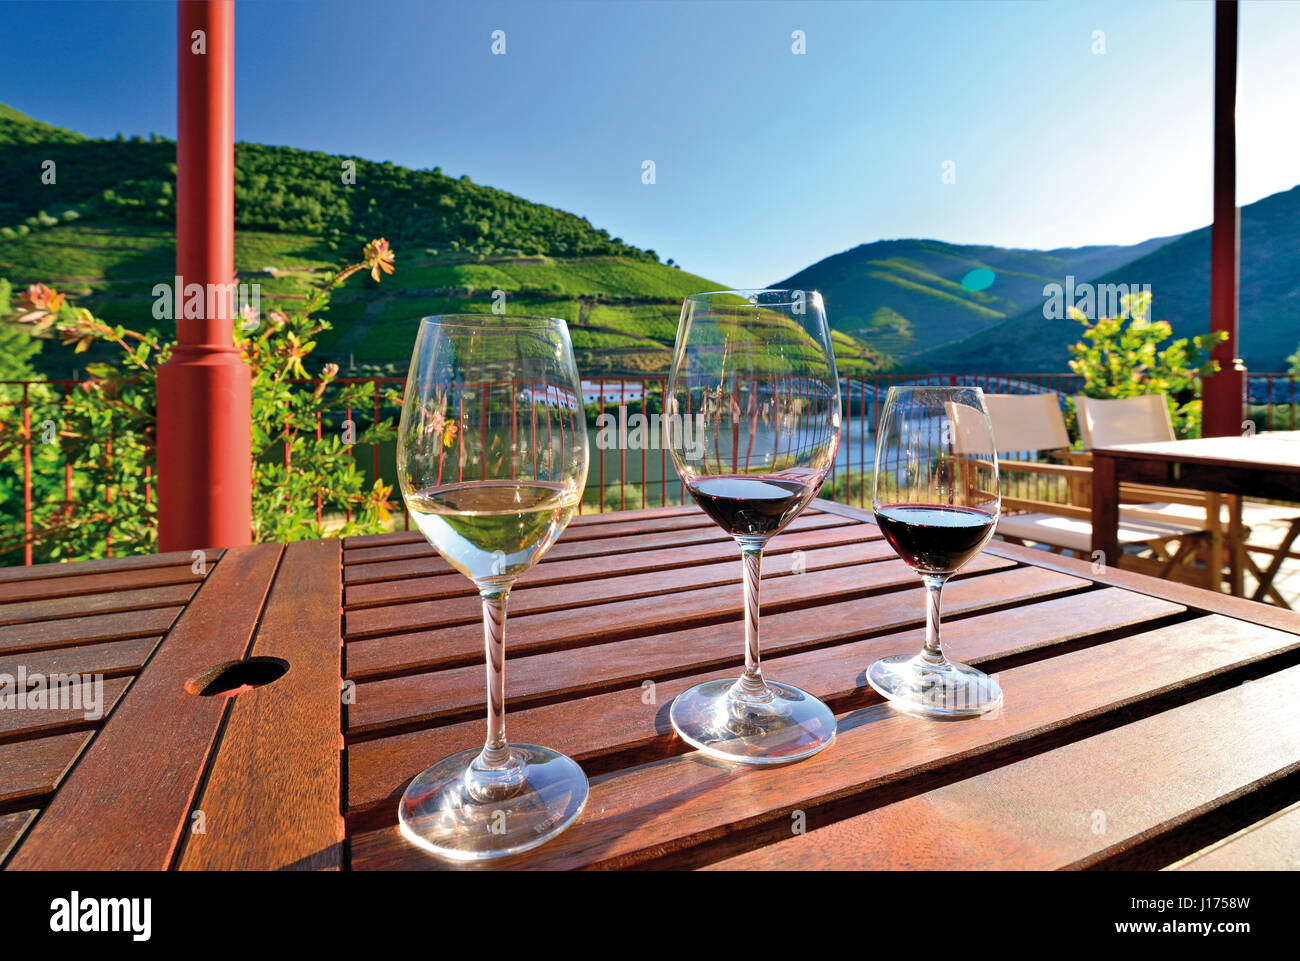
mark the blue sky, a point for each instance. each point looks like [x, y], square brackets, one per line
[765, 160]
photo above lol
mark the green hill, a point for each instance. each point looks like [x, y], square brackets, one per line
[906, 296]
[103, 232]
[1179, 275]
[18, 128]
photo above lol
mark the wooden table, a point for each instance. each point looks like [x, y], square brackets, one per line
[1265, 466]
[1146, 723]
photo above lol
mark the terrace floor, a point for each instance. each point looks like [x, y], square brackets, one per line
[1287, 580]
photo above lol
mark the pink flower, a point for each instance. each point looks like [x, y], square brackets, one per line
[379, 257]
[44, 298]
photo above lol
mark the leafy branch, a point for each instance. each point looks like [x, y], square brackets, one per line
[305, 480]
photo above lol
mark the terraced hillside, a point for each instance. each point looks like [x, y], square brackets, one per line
[102, 232]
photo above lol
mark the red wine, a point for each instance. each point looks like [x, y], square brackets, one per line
[935, 539]
[747, 506]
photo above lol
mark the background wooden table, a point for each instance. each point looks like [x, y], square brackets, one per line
[1264, 466]
[1146, 723]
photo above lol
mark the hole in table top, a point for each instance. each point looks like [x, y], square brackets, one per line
[236, 677]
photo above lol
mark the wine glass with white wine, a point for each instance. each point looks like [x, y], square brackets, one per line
[492, 461]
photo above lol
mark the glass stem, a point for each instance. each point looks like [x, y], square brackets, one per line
[751, 686]
[496, 751]
[495, 773]
[933, 651]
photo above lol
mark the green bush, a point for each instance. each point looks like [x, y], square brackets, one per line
[106, 427]
[1121, 357]
[849, 487]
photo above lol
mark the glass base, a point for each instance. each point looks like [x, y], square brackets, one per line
[787, 726]
[946, 689]
[539, 795]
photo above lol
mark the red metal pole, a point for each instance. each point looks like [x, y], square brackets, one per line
[108, 493]
[27, 478]
[1223, 394]
[319, 505]
[204, 390]
[375, 421]
[622, 450]
[347, 419]
[67, 464]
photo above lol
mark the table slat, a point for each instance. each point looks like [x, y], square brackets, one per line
[12, 826]
[43, 721]
[408, 580]
[90, 605]
[1271, 845]
[139, 776]
[620, 546]
[429, 697]
[40, 572]
[571, 628]
[1078, 806]
[582, 520]
[627, 584]
[657, 813]
[628, 724]
[111, 659]
[271, 800]
[95, 629]
[30, 770]
[82, 585]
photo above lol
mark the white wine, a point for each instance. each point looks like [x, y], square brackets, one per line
[493, 531]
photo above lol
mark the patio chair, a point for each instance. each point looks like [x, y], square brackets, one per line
[1032, 423]
[1137, 420]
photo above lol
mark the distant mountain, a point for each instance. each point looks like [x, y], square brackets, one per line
[906, 297]
[102, 231]
[1179, 275]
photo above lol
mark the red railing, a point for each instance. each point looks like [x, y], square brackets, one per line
[38, 418]
[615, 480]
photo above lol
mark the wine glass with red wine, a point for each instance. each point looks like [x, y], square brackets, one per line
[935, 494]
[753, 422]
